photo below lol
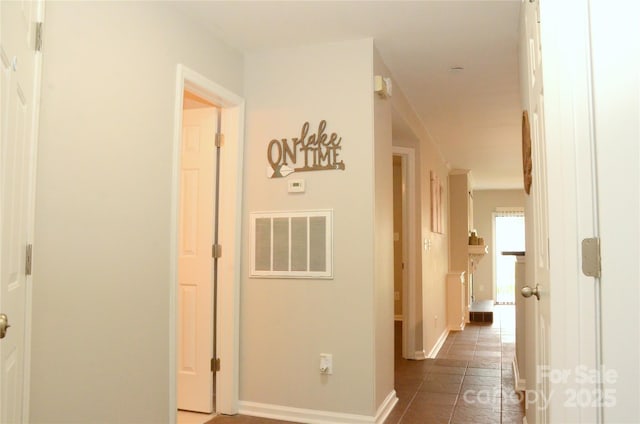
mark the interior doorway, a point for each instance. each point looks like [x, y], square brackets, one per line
[224, 329]
[404, 229]
[398, 252]
[509, 233]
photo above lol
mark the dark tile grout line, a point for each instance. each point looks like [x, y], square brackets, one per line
[404, 412]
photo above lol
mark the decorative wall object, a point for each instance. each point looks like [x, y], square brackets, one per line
[292, 244]
[527, 165]
[436, 204]
[316, 152]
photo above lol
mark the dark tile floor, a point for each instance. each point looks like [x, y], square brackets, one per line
[470, 382]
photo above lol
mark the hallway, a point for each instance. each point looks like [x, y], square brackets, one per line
[470, 382]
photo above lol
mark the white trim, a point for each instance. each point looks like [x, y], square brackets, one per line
[313, 416]
[409, 282]
[524, 420]
[439, 344]
[420, 355]
[519, 384]
[227, 322]
[492, 248]
[386, 407]
[31, 209]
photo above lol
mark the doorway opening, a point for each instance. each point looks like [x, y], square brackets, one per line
[202, 110]
[404, 188]
[398, 251]
[509, 233]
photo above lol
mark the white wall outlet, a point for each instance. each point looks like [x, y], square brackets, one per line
[326, 363]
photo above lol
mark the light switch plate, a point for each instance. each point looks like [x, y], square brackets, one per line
[296, 186]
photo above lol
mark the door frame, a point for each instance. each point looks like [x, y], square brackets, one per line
[407, 156]
[227, 311]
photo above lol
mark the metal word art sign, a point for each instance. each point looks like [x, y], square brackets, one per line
[315, 152]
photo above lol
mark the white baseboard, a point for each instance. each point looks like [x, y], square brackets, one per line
[313, 416]
[520, 383]
[524, 420]
[420, 355]
[438, 345]
[387, 406]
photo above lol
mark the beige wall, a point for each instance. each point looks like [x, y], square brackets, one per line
[383, 241]
[459, 189]
[433, 261]
[100, 346]
[287, 323]
[485, 203]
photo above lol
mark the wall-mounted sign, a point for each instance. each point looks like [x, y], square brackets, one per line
[316, 152]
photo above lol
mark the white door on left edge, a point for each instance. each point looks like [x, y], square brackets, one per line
[539, 306]
[19, 106]
[195, 264]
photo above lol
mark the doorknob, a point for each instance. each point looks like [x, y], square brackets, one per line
[4, 325]
[527, 291]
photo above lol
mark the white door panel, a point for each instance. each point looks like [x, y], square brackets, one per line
[19, 101]
[195, 265]
[538, 310]
[564, 321]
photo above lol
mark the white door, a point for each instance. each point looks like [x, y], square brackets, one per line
[19, 108]
[195, 264]
[562, 377]
[538, 310]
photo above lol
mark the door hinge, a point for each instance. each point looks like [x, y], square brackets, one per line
[28, 259]
[215, 364]
[591, 263]
[216, 251]
[219, 139]
[38, 44]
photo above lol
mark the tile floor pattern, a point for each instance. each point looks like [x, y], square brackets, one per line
[470, 382]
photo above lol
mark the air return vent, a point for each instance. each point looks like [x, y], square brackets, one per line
[292, 244]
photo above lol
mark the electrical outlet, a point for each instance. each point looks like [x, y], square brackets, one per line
[326, 363]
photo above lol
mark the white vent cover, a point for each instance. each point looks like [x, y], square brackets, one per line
[292, 244]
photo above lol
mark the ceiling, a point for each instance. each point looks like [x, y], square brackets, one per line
[473, 114]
